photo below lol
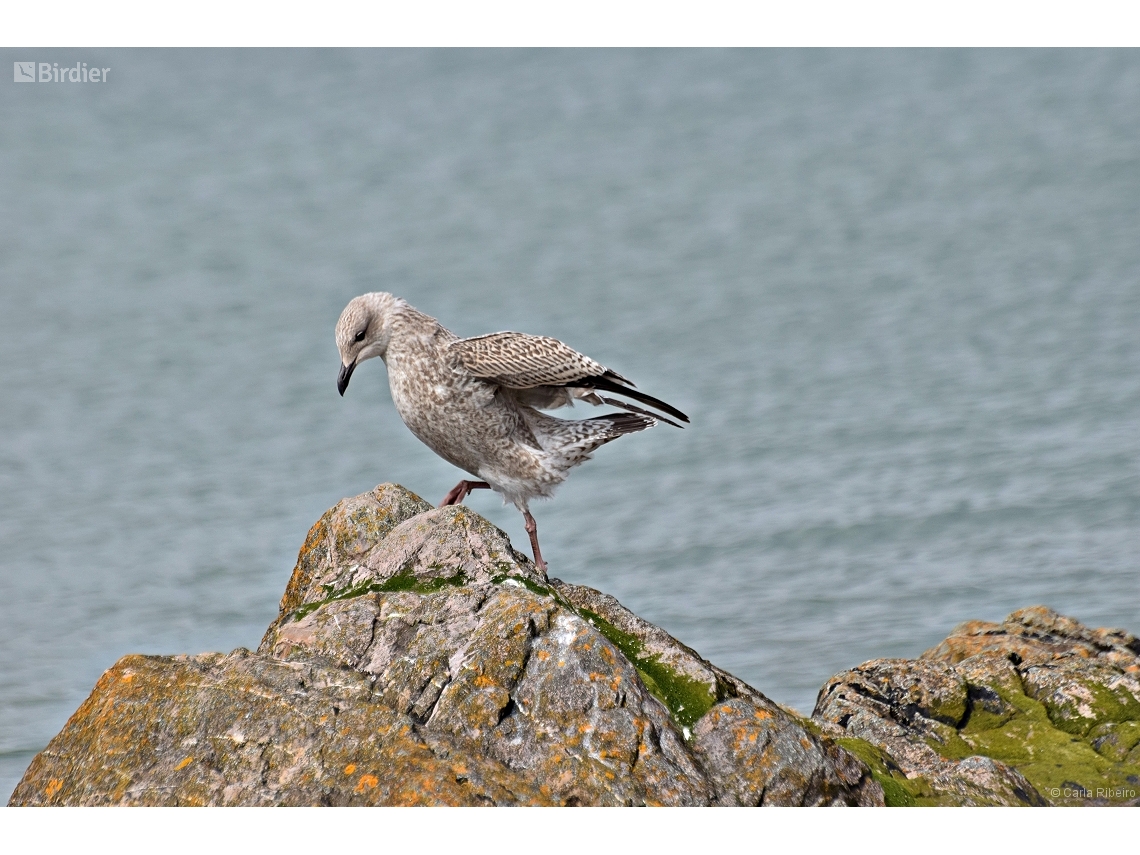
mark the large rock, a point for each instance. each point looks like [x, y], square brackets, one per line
[419, 659]
[1039, 709]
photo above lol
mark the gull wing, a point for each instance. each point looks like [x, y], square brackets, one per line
[520, 361]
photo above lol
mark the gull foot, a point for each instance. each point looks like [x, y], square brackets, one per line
[459, 491]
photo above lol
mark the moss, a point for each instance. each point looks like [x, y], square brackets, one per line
[1106, 705]
[898, 790]
[1064, 767]
[405, 580]
[1053, 760]
[1115, 740]
[894, 793]
[807, 724]
[979, 719]
[950, 744]
[686, 699]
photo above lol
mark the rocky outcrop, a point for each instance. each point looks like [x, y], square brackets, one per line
[1039, 709]
[418, 659]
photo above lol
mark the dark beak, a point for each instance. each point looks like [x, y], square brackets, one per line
[342, 378]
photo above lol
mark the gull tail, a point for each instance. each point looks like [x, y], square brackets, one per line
[630, 408]
[623, 423]
[569, 442]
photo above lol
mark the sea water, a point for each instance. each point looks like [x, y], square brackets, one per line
[898, 292]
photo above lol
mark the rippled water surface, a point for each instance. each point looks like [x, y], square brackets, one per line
[898, 292]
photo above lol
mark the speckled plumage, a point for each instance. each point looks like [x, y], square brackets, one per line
[475, 402]
[522, 361]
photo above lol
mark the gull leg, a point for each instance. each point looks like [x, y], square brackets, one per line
[532, 530]
[459, 491]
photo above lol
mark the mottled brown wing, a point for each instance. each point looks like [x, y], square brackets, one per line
[521, 361]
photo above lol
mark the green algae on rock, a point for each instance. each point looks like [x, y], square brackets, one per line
[1039, 709]
[347, 529]
[419, 659]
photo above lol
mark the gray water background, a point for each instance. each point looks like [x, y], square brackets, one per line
[897, 291]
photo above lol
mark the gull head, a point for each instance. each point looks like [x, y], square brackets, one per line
[363, 331]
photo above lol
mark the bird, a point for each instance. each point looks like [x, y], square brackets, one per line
[476, 401]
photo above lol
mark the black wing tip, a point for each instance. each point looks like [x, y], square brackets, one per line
[605, 383]
[610, 374]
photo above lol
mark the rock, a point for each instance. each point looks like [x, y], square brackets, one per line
[754, 757]
[246, 729]
[418, 659]
[1037, 635]
[1038, 709]
[755, 751]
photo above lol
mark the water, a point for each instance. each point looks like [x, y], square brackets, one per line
[898, 292]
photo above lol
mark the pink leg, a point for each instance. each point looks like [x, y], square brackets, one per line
[459, 491]
[532, 530]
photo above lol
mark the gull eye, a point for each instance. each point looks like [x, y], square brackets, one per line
[360, 336]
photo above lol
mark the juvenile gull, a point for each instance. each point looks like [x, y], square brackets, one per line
[475, 401]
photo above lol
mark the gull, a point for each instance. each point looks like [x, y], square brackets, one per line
[475, 401]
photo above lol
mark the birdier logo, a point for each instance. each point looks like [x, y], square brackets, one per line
[51, 72]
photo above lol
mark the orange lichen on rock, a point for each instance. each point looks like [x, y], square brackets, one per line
[368, 782]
